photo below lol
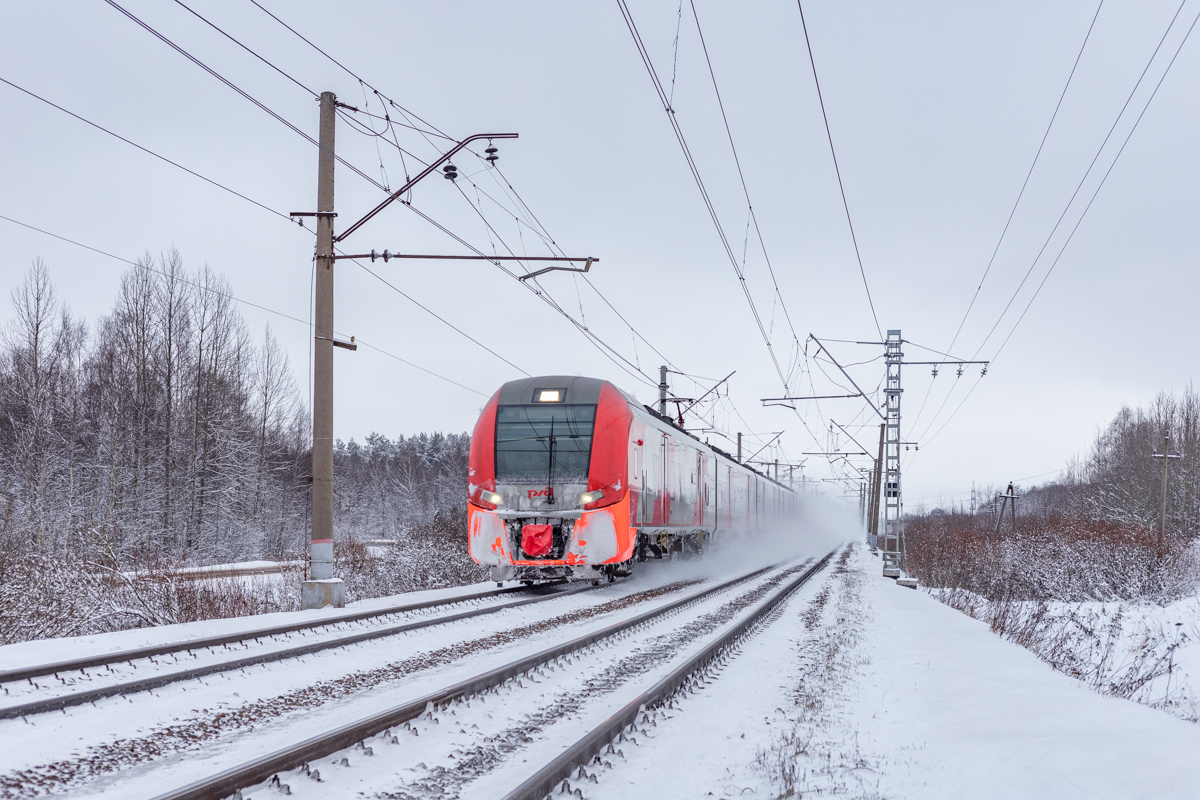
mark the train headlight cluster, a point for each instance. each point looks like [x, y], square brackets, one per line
[591, 497]
[492, 497]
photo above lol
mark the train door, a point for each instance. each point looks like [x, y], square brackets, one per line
[637, 480]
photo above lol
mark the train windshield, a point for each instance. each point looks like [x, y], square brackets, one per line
[543, 444]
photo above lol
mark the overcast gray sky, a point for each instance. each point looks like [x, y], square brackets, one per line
[936, 111]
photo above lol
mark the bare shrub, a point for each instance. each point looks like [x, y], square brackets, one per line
[1051, 556]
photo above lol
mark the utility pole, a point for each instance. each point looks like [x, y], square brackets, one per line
[739, 458]
[1009, 498]
[322, 589]
[1166, 457]
[662, 390]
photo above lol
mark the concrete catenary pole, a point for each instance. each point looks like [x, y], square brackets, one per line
[322, 589]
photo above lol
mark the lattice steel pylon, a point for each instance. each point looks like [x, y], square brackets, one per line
[893, 499]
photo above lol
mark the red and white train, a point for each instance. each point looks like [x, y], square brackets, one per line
[572, 478]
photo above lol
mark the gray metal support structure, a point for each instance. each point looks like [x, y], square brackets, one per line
[322, 589]
[876, 485]
[662, 390]
[893, 503]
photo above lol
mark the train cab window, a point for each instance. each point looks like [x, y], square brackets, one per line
[544, 443]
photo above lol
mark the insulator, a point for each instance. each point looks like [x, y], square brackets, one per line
[491, 154]
[450, 172]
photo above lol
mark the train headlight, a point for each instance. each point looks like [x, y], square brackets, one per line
[491, 497]
[591, 497]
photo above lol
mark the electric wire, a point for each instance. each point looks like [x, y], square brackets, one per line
[742, 177]
[1028, 175]
[148, 151]
[1092, 165]
[542, 292]
[239, 90]
[1070, 202]
[434, 128]
[254, 202]
[196, 14]
[694, 169]
[234, 298]
[837, 169]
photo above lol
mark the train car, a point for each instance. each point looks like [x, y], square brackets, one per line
[570, 477]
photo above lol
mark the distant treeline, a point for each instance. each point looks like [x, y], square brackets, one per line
[166, 432]
[1119, 481]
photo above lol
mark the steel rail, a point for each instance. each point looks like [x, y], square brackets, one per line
[132, 687]
[261, 769]
[86, 662]
[545, 780]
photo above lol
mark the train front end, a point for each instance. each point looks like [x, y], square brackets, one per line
[548, 489]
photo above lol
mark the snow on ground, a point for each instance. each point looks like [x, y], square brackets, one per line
[862, 688]
[48, 651]
[856, 687]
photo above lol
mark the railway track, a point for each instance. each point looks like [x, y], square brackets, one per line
[643, 652]
[104, 659]
[60, 700]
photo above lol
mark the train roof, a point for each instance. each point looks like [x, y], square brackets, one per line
[575, 389]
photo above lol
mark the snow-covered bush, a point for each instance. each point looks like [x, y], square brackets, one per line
[1049, 557]
[432, 555]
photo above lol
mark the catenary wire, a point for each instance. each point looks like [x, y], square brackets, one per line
[741, 176]
[644, 54]
[837, 169]
[542, 292]
[239, 90]
[245, 47]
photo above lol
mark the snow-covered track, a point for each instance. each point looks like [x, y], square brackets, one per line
[102, 659]
[296, 756]
[68, 699]
[581, 754]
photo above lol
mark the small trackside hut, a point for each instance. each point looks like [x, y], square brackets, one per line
[570, 477]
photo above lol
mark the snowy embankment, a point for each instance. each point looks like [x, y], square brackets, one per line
[866, 689]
